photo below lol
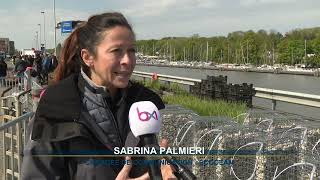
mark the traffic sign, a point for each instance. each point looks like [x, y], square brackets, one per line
[66, 27]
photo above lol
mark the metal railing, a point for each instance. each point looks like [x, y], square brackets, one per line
[168, 78]
[13, 134]
[17, 103]
[17, 106]
[270, 94]
[15, 83]
[13, 131]
[288, 96]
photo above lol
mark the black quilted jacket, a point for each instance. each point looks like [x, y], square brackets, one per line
[64, 124]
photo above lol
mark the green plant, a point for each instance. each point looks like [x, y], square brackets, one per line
[207, 107]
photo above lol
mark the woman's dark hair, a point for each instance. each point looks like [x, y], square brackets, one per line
[87, 36]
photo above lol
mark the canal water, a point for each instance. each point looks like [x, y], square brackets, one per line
[295, 83]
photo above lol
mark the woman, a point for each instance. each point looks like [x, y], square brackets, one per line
[86, 110]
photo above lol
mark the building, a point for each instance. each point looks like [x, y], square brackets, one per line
[7, 46]
[11, 48]
[4, 44]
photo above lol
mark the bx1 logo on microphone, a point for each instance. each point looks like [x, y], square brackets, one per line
[146, 116]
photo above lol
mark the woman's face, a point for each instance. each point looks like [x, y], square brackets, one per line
[115, 59]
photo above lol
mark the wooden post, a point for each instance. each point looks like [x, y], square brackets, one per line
[274, 103]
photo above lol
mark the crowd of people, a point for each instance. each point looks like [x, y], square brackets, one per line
[41, 65]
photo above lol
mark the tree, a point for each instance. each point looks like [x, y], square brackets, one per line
[239, 47]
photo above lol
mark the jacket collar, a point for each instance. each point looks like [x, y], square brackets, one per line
[61, 102]
[87, 86]
[91, 85]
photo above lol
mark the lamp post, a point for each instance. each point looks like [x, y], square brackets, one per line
[55, 27]
[37, 44]
[40, 35]
[44, 31]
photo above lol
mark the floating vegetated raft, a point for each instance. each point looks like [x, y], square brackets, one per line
[216, 87]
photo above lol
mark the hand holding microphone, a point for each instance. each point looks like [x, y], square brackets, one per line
[166, 170]
[145, 122]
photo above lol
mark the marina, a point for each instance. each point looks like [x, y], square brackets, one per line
[276, 69]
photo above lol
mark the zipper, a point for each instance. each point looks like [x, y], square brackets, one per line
[114, 122]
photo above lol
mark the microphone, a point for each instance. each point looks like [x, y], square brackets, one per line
[145, 123]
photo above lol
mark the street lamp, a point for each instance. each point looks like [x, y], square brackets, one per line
[40, 35]
[44, 30]
[37, 37]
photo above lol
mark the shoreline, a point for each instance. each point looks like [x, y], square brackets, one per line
[257, 70]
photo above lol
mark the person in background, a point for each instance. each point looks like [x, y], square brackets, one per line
[37, 65]
[20, 66]
[86, 108]
[46, 67]
[30, 60]
[14, 60]
[54, 63]
[3, 71]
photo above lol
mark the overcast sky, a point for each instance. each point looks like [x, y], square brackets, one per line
[154, 19]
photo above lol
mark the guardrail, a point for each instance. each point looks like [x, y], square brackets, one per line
[270, 94]
[288, 96]
[168, 78]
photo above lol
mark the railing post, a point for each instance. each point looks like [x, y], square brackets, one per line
[20, 147]
[11, 152]
[4, 167]
[168, 83]
[27, 79]
[274, 104]
[17, 106]
[35, 92]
